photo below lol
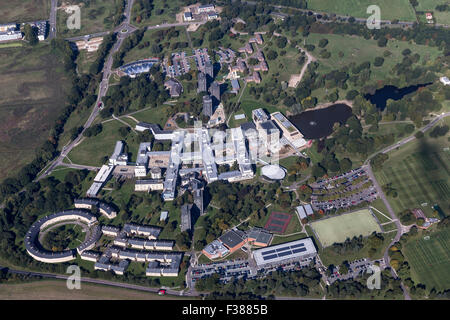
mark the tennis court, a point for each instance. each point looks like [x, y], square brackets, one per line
[278, 222]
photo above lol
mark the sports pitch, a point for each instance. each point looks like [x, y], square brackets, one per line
[430, 260]
[420, 173]
[338, 229]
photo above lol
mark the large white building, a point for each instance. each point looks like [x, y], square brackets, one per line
[9, 32]
[290, 132]
[445, 81]
[302, 250]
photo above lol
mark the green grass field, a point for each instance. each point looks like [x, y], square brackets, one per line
[32, 95]
[339, 228]
[11, 45]
[24, 10]
[97, 17]
[92, 150]
[142, 53]
[420, 174]
[277, 239]
[358, 50]
[57, 290]
[398, 9]
[430, 6]
[430, 259]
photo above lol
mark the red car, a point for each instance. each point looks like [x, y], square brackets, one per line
[161, 292]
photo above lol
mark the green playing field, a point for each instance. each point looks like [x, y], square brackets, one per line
[420, 173]
[338, 229]
[430, 260]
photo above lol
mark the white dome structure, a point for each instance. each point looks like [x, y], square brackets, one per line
[273, 172]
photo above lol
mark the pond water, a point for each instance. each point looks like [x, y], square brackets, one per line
[316, 124]
[380, 97]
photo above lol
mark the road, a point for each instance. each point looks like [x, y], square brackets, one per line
[105, 282]
[52, 20]
[397, 224]
[79, 166]
[103, 89]
[410, 138]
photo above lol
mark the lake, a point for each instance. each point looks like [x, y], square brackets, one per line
[316, 124]
[380, 97]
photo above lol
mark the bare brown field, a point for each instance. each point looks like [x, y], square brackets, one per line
[24, 10]
[32, 95]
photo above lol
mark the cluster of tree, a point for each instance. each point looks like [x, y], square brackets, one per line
[93, 131]
[407, 217]
[443, 7]
[9, 277]
[390, 288]
[439, 131]
[303, 282]
[58, 239]
[399, 263]
[300, 4]
[348, 246]
[102, 52]
[378, 160]
[254, 15]
[143, 8]
[389, 190]
[31, 34]
[128, 44]
[237, 202]
[419, 33]
[135, 94]
[23, 208]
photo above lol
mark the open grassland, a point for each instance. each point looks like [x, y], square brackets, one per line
[420, 173]
[24, 10]
[91, 151]
[358, 50]
[32, 93]
[337, 229]
[11, 45]
[277, 239]
[430, 6]
[430, 259]
[398, 9]
[159, 116]
[97, 17]
[145, 52]
[57, 290]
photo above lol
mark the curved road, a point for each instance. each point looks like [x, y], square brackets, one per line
[103, 89]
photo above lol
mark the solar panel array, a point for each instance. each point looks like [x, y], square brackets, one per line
[283, 251]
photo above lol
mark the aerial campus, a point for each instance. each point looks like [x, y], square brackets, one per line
[227, 149]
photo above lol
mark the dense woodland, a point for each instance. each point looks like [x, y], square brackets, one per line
[303, 282]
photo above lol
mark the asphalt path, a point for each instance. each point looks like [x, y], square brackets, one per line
[410, 138]
[52, 20]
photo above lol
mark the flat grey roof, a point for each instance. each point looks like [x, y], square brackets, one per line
[293, 250]
[232, 238]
